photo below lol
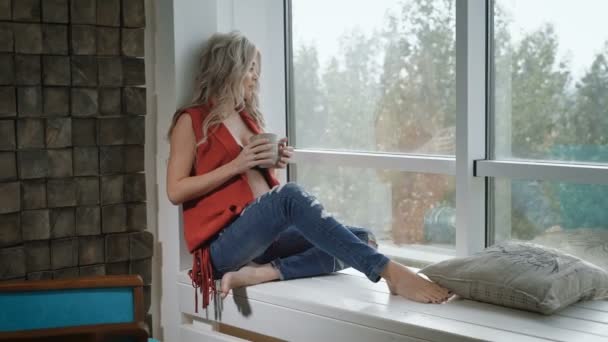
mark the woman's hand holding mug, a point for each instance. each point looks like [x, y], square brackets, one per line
[281, 152]
[285, 154]
[256, 153]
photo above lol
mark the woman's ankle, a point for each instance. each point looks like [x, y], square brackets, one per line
[267, 272]
[388, 271]
[394, 272]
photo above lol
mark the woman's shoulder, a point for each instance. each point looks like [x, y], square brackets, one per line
[199, 110]
[197, 113]
[190, 117]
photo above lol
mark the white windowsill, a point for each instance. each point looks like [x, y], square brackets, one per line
[347, 306]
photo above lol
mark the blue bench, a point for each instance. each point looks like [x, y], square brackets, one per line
[105, 308]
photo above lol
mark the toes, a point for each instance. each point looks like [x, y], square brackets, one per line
[422, 299]
[441, 291]
[436, 292]
[425, 298]
[436, 299]
[436, 296]
[447, 295]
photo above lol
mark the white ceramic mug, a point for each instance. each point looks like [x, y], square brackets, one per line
[272, 139]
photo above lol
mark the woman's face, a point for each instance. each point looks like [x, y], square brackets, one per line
[251, 79]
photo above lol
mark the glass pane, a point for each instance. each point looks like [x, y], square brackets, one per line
[570, 217]
[375, 75]
[551, 80]
[399, 207]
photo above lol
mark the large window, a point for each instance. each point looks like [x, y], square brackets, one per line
[378, 77]
[451, 125]
[551, 80]
[374, 75]
[551, 105]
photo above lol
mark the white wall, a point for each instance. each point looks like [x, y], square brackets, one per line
[150, 159]
[262, 22]
[181, 27]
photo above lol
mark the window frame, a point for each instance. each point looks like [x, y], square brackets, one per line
[470, 117]
[474, 164]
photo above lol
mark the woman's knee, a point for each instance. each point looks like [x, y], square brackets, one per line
[290, 189]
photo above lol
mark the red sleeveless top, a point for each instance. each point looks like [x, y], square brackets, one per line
[207, 215]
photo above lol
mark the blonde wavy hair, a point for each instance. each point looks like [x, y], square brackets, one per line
[224, 62]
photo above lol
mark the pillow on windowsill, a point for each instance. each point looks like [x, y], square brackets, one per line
[523, 276]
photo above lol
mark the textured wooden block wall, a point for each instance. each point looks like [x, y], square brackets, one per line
[72, 131]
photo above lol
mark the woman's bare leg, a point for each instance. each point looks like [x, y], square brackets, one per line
[400, 280]
[250, 274]
[405, 283]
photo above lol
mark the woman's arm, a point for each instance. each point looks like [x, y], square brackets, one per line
[182, 187]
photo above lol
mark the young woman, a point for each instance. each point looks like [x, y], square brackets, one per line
[241, 225]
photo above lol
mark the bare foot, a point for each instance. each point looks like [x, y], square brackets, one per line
[248, 275]
[405, 283]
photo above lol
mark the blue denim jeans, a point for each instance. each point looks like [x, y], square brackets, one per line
[290, 229]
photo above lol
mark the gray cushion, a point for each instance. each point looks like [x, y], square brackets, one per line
[523, 276]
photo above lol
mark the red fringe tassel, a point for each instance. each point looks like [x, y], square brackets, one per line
[201, 275]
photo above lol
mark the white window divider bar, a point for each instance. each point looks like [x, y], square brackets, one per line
[546, 171]
[410, 163]
[471, 90]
